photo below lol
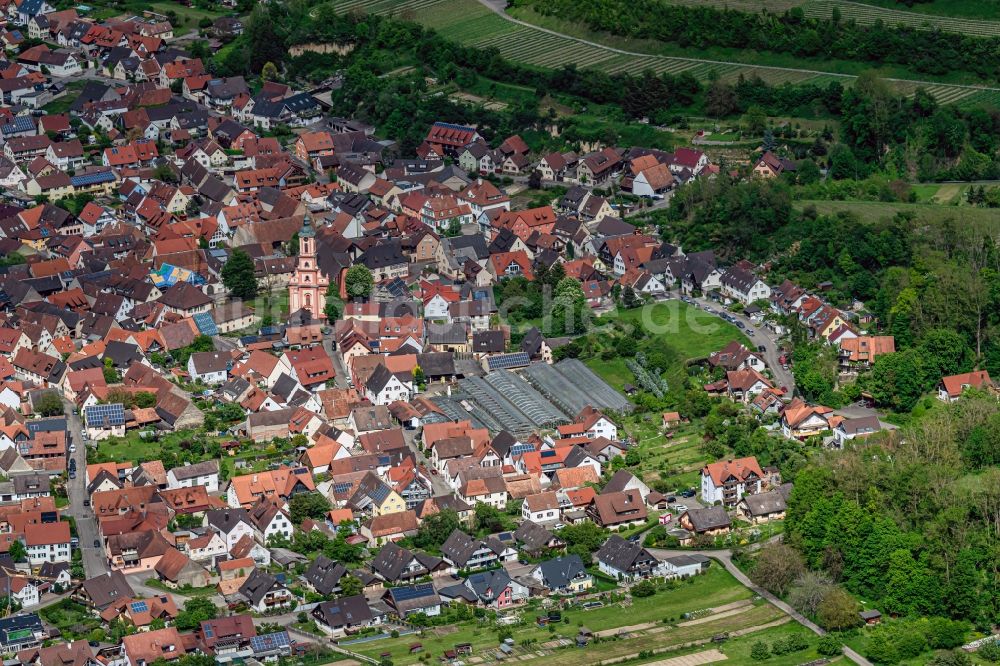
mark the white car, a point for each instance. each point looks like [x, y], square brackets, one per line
[72, 448]
[680, 508]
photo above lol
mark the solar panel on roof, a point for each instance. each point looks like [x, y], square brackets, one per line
[107, 415]
[518, 449]
[412, 592]
[548, 453]
[341, 488]
[139, 607]
[505, 361]
[209, 632]
[92, 178]
[269, 641]
[205, 323]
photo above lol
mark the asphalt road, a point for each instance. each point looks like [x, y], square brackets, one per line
[438, 485]
[94, 561]
[761, 336]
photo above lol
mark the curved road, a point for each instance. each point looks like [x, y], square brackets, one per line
[499, 7]
[725, 558]
[761, 336]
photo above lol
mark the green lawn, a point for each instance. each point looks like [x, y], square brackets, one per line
[873, 211]
[62, 103]
[688, 331]
[133, 448]
[715, 588]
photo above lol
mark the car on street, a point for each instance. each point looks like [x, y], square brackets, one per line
[761, 348]
[72, 474]
[97, 543]
[72, 448]
[680, 508]
[86, 502]
[671, 499]
[688, 493]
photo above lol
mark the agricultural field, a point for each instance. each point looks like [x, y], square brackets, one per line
[648, 624]
[865, 14]
[551, 46]
[873, 211]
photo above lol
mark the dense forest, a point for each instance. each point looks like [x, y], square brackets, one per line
[911, 525]
[927, 51]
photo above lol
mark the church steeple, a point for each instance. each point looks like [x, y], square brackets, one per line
[307, 229]
[307, 239]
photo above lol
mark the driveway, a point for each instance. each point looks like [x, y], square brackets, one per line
[94, 561]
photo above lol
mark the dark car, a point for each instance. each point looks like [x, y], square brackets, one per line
[97, 543]
[687, 493]
[761, 348]
[671, 499]
[72, 474]
[86, 502]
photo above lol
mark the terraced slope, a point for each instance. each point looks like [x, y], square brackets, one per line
[474, 24]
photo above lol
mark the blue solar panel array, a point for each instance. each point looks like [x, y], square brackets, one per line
[269, 642]
[205, 323]
[139, 607]
[105, 415]
[94, 178]
[507, 361]
[519, 448]
[412, 592]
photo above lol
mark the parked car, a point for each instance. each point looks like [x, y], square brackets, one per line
[688, 493]
[761, 348]
[97, 543]
[86, 502]
[680, 508]
[671, 499]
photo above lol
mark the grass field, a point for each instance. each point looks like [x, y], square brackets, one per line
[471, 23]
[873, 211]
[714, 589]
[690, 332]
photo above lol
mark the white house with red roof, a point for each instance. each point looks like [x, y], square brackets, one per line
[727, 481]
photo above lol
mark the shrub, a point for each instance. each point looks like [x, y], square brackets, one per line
[759, 651]
[829, 646]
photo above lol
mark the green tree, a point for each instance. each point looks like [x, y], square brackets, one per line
[333, 307]
[260, 34]
[50, 404]
[898, 380]
[17, 551]
[350, 586]
[838, 611]
[435, 529]
[488, 518]
[307, 505]
[196, 610]
[110, 374]
[359, 282]
[238, 275]
[269, 72]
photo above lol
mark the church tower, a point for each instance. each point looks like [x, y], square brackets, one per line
[307, 288]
